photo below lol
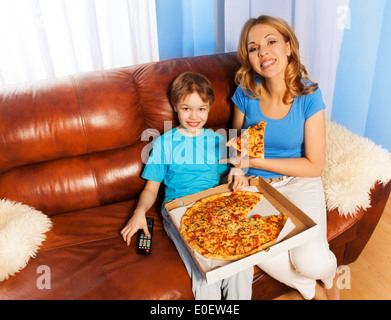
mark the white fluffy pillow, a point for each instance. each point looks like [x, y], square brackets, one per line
[353, 165]
[22, 231]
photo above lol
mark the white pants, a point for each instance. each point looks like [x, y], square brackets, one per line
[236, 287]
[300, 267]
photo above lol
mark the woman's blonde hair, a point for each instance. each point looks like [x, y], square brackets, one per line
[295, 72]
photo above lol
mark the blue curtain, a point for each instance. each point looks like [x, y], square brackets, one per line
[361, 98]
[185, 28]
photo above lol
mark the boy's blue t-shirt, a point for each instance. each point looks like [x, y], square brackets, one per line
[284, 138]
[185, 164]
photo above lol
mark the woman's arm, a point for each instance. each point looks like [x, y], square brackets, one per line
[238, 120]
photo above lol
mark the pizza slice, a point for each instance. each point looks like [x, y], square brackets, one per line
[251, 141]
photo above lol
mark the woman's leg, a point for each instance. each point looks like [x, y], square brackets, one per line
[302, 266]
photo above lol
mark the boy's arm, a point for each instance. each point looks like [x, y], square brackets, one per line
[147, 199]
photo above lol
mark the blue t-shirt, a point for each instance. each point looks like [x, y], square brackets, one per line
[284, 138]
[185, 164]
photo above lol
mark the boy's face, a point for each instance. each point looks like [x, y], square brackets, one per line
[192, 114]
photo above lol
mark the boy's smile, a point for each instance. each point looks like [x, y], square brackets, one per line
[193, 124]
[192, 114]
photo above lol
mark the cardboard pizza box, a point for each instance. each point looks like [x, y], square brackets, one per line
[298, 230]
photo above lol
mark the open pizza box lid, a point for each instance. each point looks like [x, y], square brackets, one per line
[298, 230]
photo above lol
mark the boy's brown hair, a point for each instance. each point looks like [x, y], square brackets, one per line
[188, 83]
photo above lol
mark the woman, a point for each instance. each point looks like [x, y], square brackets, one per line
[274, 87]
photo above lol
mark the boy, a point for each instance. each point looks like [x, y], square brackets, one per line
[186, 160]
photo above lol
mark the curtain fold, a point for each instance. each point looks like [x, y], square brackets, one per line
[185, 28]
[50, 38]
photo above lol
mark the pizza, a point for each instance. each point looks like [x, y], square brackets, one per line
[217, 227]
[251, 141]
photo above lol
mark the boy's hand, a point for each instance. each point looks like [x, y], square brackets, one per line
[239, 179]
[138, 221]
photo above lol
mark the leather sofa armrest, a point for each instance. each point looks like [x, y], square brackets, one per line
[366, 225]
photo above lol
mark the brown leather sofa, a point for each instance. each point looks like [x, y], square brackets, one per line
[71, 147]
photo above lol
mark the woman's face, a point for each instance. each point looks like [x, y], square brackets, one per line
[267, 51]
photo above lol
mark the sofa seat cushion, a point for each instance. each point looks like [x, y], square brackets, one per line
[92, 224]
[105, 269]
[88, 259]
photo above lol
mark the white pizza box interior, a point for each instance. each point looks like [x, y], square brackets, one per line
[299, 228]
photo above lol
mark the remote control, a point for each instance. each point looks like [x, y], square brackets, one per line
[144, 243]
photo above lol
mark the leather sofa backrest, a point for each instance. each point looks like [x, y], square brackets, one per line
[76, 142]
